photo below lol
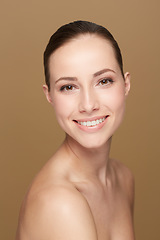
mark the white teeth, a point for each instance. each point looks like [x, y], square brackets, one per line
[88, 124]
[92, 123]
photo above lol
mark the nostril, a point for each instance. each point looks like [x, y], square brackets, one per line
[89, 105]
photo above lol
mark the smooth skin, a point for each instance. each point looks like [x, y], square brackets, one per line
[81, 193]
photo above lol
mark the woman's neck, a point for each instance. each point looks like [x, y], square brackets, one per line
[90, 162]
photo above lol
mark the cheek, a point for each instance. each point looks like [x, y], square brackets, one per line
[115, 99]
[63, 107]
[119, 101]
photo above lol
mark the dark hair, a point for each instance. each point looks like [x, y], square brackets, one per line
[72, 30]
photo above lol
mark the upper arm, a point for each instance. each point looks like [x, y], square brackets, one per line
[63, 215]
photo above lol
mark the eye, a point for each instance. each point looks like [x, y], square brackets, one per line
[67, 88]
[105, 81]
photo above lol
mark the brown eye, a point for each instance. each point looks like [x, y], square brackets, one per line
[67, 88]
[106, 81]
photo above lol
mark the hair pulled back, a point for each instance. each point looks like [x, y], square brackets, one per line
[72, 30]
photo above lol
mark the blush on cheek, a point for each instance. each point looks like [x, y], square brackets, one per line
[63, 108]
[60, 104]
[119, 106]
[118, 102]
[114, 99]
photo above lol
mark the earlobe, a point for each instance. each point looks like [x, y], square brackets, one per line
[47, 93]
[127, 83]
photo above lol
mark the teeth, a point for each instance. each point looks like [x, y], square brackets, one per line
[92, 123]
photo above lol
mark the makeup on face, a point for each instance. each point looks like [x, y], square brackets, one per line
[87, 90]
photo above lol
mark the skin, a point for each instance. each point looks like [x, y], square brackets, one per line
[81, 193]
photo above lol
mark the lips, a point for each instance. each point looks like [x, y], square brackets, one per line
[91, 122]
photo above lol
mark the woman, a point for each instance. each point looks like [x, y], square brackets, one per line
[81, 193]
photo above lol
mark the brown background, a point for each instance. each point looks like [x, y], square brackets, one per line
[29, 133]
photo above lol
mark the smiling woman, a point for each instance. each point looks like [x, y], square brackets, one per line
[81, 187]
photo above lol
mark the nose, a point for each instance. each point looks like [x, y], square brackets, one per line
[88, 101]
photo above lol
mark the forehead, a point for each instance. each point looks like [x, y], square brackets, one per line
[84, 54]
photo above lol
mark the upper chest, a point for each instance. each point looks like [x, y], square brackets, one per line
[111, 212]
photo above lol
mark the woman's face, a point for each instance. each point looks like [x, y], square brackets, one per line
[87, 91]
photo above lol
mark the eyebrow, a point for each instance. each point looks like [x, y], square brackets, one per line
[103, 71]
[66, 78]
[95, 75]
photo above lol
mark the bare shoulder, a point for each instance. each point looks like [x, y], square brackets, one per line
[60, 212]
[126, 180]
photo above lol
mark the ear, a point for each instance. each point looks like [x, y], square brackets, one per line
[47, 93]
[127, 82]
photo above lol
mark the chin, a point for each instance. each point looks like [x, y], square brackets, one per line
[90, 142]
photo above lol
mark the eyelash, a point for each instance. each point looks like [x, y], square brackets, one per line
[107, 81]
[71, 87]
[64, 88]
